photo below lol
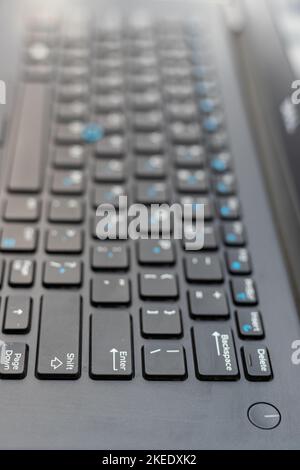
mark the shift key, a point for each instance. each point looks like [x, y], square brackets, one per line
[214, 351]
[111, 345]
[59, 346]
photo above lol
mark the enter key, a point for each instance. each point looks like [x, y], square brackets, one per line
[111, 345]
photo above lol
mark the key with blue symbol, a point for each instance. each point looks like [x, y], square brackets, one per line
[192, 181]
[221, 162]
[225, 185]
[156, 252]
[190, 156]
[18, 238]
[244, 291]
[249, 323]
[229, 208]
[62, 272]
[234, 234]
[68, 182]
[238, 261]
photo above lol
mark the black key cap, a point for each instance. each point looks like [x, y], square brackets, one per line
[257, 363]
[27, 144]
[229, 208]
[238, 261]
[185, 134]
[112, 146]
[203, 268]
[209, 234]
[64, 210]
[22, 273]
[108, 194]
[111, 354]
[151, 167]
[17, 314]
[152, 192]
[108, 103]
[109, 171]
[112, 123]
[155, 285]
[110, 289]
[70, 157]
[70, 134]
[164, 363]
[234, 234]
[190, 156]
[13, 364]
[110, 256]
[149, 143]
[221, 162]
[74, 111]
[190, 181]
[69, 92]
[244, 291]
[156, 251]
[194, 202]
[184, 111]
[145, 101]
[208, 302]
[225, 185]
[64, 240]
[22, 209]
[161, 322]
[149, 121]
[59, 344]
[67, 182]
[62, 272]
[18, 238]
[214, 350]
[249, 324]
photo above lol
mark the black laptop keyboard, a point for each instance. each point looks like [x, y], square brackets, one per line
[137, 112]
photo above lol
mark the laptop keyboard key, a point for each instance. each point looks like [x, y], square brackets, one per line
[208, 302]
[17, 314]
[62, 273]
[110, 256]
[249, 323]
[164, 363]
[214, 352]
[110, 290]
[158, 285]
[14, 358]
[111, 346]
[203, 268]
[22, 209]
[22, 273]
[59, 345]
[244, 291]
[161, 321]
[256, 362]
[18, 238]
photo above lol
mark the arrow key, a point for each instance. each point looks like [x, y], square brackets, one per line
[17, 314]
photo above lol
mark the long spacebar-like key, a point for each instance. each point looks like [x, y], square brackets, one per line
[58, 355]
[111, 345]
[28, 145]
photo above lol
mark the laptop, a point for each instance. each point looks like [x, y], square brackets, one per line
[120, 331]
